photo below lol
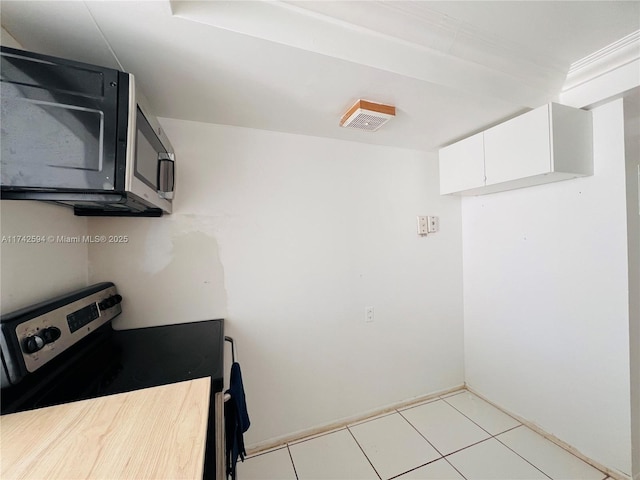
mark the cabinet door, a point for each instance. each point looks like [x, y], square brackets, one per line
[462, 165]
[518, 148]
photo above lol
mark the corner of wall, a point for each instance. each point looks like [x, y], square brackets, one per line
[604, 75]
[7, 40]
[632, 157]
[43, 253]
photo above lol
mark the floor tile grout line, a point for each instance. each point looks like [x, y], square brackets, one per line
[415, 468]
[412, 469]
[491, 436]
[468, 446]
[442, 456]
[440, 453]
[454, 394]
[420, 433]
[478, 442]
[460, 449]
[313, 437]
[295, 471]
[508, 430]
[395, 410]
[266, 452]
[534, 466]
[499, 440]
[512, 428]
[491, 405]
[361, 422]
[429, 463]
[364, 453]
[562, 448]
[426, 402]
[473, 421]
[495, 436]
[454, 467]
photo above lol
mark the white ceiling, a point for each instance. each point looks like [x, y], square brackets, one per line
[450, 68]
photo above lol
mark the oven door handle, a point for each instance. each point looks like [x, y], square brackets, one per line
[233, 348]
[220, 451]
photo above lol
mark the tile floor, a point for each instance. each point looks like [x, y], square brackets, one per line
[458, 436]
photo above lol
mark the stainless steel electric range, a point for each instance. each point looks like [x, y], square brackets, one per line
[65, 349]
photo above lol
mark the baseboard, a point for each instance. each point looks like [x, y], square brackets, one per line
[279, 442]
[262, 447]
[612, 473]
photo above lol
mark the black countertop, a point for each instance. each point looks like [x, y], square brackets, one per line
[117, 361]
[154, 356]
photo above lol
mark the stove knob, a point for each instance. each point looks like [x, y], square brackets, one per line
[106, 303]
[110, 302]
[33, 343]
[51, 334]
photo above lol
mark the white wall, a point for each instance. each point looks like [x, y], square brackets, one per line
[632, 151]
[546, 301]
[7, 40]
[33, 272]
[169, 270]
[290, 238]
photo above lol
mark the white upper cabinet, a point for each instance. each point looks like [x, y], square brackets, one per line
[548, 144]
[518, 148]
[462, 165]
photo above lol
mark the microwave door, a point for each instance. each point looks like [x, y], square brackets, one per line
[58, 126]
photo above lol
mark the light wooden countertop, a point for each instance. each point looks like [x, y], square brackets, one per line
[155, 433]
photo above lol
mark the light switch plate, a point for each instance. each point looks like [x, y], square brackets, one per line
[433, 224]
[368, 314]
[423, 225]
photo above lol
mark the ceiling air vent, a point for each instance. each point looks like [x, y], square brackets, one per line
[365, 115]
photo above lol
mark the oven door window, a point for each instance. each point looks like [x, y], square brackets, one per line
[148, 151]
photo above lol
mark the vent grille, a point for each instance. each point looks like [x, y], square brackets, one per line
[365, 121]
[368, 116]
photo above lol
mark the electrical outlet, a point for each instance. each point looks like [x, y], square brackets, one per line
[423, 225]
[433, 224]
[369, 314]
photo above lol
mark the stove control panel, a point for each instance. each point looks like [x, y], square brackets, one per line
[78, 319]
[35, 342]
[48, 329]
[109, 302]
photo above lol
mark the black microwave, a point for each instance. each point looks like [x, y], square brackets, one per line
[81, 136]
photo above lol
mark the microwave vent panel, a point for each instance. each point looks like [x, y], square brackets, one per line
[366, 115]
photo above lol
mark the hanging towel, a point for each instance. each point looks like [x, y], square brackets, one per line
[236, 421]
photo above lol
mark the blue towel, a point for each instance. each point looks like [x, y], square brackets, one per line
[236, 421]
